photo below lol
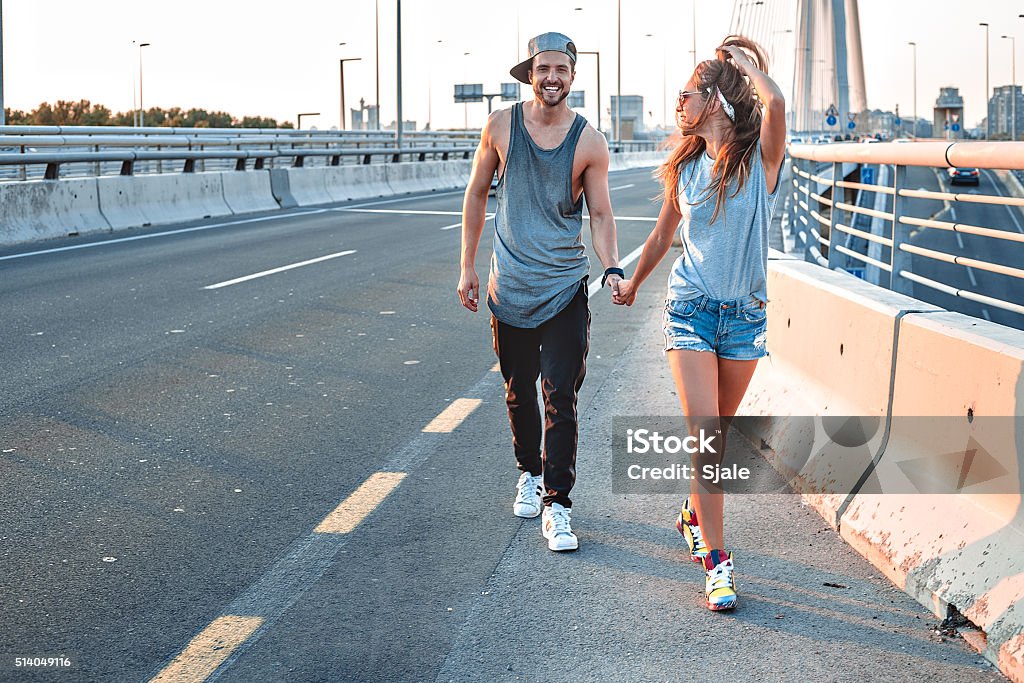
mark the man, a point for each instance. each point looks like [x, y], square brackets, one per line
[548, 158]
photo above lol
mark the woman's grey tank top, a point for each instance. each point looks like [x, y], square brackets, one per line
[539, 258]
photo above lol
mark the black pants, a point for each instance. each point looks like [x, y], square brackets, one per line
[557, 353]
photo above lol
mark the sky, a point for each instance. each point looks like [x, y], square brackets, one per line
[279, 60]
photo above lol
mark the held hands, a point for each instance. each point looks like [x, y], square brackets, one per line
[623, 292]
[469, 290]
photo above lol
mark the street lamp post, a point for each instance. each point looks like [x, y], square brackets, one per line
[988, 119]
[398, 75]
[298, 123]
[376, 55]
[664, 82]
[618, 76]
[341, 77]
[1013, 89]
[430, 97]
[598, 55]
[142, 109]
[914, 45]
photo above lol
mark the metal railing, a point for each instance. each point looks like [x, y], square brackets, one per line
[50, 152]
[823, 215]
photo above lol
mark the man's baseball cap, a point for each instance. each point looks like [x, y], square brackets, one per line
[545, 42]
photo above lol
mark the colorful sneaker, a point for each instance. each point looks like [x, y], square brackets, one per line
[686, 524]
[719, 586]
[528, 495]
[555, 527]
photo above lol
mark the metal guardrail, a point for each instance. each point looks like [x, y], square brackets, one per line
[817, 211]
[51, 152]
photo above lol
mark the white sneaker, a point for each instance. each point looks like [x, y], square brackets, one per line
[555, 526]
[528, 495]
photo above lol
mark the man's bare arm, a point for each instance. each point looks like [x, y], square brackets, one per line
[599, 203]
[474, 211]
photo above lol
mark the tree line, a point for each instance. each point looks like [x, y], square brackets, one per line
[85, 113]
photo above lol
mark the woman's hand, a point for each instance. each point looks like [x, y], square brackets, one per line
[739, 57]
[624, 293]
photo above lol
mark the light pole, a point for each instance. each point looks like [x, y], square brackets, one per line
[398, 75]
[3, 114]
[430, 97]
[142, 109]
[914, 45]
[598, 55]
[341, 76]
[694, 22]
[465, 105]
[988, 119]
[376, 55]
[1013, 89]
[618, 76]
[664, 82]
[298, 123]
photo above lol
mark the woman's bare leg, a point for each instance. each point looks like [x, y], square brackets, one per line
[709, 388]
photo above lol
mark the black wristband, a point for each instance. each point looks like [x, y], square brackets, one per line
[612, 271]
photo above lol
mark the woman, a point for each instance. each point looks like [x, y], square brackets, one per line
[721, 185]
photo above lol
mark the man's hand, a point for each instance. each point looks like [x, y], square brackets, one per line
[469, 290]
[613, 281]
[623, 293]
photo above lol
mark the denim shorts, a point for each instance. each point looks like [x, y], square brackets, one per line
[734, 329]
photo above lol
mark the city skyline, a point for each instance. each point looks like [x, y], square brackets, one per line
[225, 57]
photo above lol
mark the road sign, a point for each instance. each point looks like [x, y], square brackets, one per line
[856, 272]
[867, 175]
[898, 121]
[831, 120]
[832, 111]
[469, 92]
[956, 127]
[510, 92]
[576, 99]
[851, 125]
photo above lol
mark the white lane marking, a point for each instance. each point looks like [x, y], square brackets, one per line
[452, 416]
[959, 240]
[157, 234]
[984, 313]
[996, 185]
[209, 649]
[459, 224]
[410, 212]
[970, 275]
[364, 500]
[621, 187]
[279, 270]
[630, 257]
[641, 219]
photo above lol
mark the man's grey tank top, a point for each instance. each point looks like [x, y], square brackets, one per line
[539, 258]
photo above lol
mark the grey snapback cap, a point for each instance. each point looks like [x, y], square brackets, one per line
[545, 42]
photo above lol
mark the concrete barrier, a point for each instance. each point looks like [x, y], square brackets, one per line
[42, 209]
[307, 186]
[161, 199]
[831, 339]
[962, 550]
[840, 346]
[248, 191]
[345, 183]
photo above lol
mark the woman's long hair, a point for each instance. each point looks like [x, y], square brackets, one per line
[736, 153]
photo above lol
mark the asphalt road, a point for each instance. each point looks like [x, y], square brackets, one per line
[174, 435]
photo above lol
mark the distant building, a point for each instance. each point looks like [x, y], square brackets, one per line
[365, 118]
[948, 114]
[632, 113]
[1000, 112]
